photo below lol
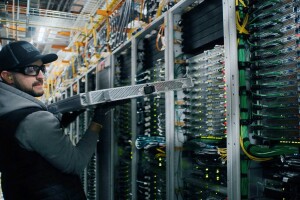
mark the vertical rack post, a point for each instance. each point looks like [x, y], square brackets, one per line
[232, 86]
[170, 139]
[133, 120]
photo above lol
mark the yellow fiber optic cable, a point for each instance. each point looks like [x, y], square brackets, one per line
[251, 156]
[242, 28]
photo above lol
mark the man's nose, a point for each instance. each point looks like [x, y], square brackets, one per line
[40, 75]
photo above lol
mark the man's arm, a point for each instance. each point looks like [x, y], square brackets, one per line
[41, 132]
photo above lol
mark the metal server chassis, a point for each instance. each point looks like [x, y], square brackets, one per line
[83, 100]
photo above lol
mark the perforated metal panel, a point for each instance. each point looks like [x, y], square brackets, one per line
[114, 94]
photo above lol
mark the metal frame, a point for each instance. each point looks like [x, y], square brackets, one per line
[92, 98]
[105, 149]
[170, 111]
[85, 127]
[172, 51]
[134, 120]
[111, 136]
[233, 115]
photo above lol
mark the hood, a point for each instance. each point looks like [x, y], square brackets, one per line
[13, 99]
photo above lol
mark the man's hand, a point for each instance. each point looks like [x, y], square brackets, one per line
[103, 109]
[69, 117]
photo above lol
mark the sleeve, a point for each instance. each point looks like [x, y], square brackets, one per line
[41, 132]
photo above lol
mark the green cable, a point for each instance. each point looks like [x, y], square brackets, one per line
[275, 116]
[244, 116]
[244, 179]
[255, 152]
[265, 4]
[264, 152]
[264, 14]
[278, 85]
[277, 73]
[275, 95]
[276, 105]
[267, 32]
[264, 24]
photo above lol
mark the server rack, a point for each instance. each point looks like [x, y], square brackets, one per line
[268, 69]
[107, 180]
[151, 136]
[174, 180]
[199, 121]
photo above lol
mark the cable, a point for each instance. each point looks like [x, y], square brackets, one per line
[160, 7]
[160, 38]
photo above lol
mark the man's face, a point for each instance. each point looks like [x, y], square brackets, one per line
[32, 85]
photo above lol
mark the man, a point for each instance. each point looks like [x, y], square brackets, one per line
[37, 160]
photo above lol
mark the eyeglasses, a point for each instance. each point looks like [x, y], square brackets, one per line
[31, 70]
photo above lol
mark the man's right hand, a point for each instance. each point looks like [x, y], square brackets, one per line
[103, 109]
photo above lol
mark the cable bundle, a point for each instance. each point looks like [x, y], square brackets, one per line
[119, 21]
[269, 92]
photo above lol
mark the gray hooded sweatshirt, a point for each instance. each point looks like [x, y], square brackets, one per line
[41, 132]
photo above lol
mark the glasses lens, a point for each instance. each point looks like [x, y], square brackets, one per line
[31, 70]
[34, 70]
[43, 69]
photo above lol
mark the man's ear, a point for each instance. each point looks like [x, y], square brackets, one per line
[7, 77]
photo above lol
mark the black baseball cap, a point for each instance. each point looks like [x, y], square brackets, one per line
[21, 53]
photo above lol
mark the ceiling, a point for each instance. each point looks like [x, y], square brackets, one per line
[50, 25]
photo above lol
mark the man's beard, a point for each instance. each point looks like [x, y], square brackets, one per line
[29, 91]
